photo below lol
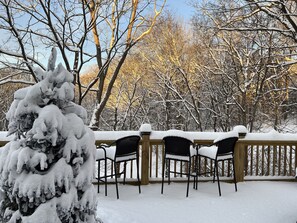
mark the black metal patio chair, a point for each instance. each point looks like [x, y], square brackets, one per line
[221, 150]
[179, 149]
[121, 151]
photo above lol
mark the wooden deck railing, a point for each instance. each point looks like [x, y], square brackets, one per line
[257, 155]
[270, 158]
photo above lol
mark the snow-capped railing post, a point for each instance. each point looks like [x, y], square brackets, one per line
[240, 153]
[145, 131]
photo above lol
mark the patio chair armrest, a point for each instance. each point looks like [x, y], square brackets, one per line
[100, 156]
[103, 146]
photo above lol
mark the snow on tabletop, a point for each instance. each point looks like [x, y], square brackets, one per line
[208, 136]
[113, 135]
[225, 135]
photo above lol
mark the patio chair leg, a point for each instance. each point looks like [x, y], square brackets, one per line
[214, 173]
[137, 163]
[194, 182]
[234, 175]
[116, 179]
[98, 175]
[125, 163]
[169, 171]
[163, 173]
[105, 177]
[195, 186]
[218, 178]
[189, 175]
[199, 169]
[196, 176]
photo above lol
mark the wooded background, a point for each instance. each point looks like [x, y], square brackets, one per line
[136, 62]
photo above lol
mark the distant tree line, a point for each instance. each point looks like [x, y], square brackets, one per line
[232, 64]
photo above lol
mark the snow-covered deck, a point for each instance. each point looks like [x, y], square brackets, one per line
[256, 202]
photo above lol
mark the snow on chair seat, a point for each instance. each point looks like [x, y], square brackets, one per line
[222, 149]
[211, 152]
[123, 150]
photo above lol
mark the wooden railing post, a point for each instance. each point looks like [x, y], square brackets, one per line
[240, 154]
[239, 160]
[145, 131]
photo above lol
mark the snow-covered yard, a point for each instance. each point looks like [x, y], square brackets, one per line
[256, 202]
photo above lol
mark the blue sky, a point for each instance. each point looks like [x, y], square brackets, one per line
[181, 8]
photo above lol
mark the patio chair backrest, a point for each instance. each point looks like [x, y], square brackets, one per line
[127, 145]
[226, 146]
[176, 145]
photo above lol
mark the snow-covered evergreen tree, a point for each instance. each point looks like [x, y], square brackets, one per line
[46, 171]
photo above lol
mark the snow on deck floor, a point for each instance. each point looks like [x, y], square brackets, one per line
[256, 202]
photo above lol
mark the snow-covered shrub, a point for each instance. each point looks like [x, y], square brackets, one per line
[46, 171]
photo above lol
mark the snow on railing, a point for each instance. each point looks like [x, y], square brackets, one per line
[257, 155]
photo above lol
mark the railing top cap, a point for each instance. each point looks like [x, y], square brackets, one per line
[145, 128]
[197, 136]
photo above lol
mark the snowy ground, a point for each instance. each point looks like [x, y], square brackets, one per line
[256, 202]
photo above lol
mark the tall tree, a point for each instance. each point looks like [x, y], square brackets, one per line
[47, 170]
[254, 45]
[84, 32]
[121, 40]
[171, 65]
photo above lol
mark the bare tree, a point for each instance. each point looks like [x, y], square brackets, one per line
[252, 47]
[84, 32]
[124, 108]
[176, 87]
[122, 39]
